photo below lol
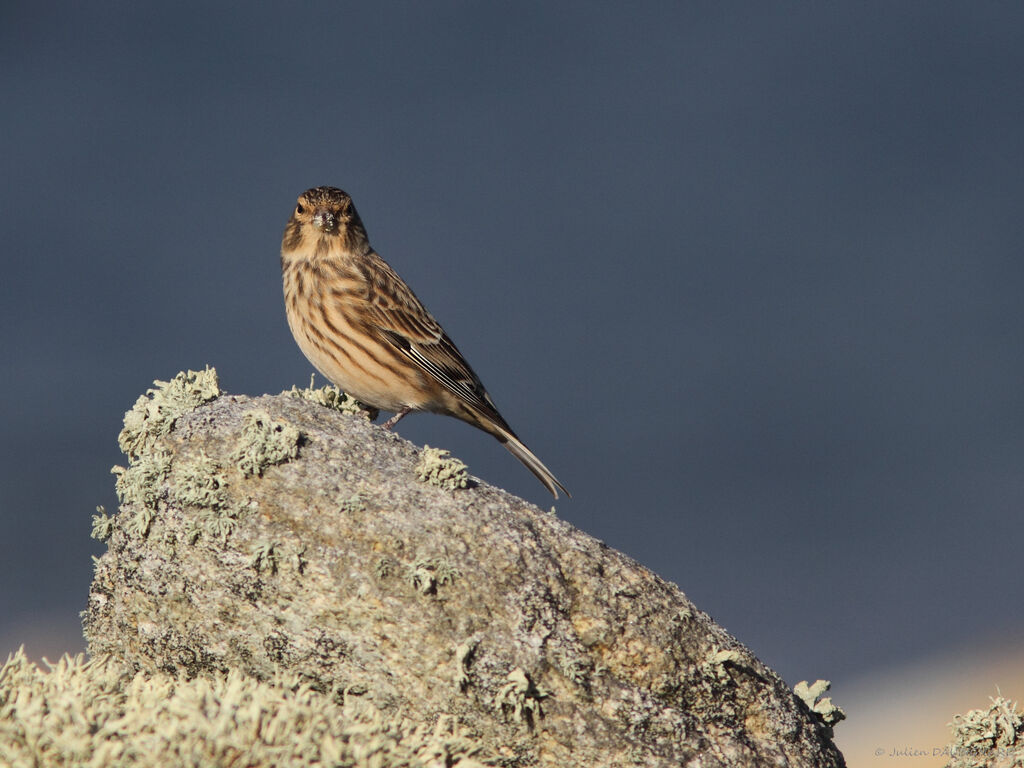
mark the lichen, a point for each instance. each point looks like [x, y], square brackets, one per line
[382, 568]
[218, 524]
[353, 503]
[265, 554]
[141, 485]
[683, 615]
[200, 482]
[717, 660]
[102, 524]
[427, 574]
[298, 560]
[826, 711]
[438, 467]
[519, 698]
[155, 412]
[99, 713]
[264, 441]
[142, 521]
[463, 658]
[982, 735]
[574, 668]
[333, 398]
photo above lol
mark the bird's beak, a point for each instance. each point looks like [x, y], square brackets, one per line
[325, 221]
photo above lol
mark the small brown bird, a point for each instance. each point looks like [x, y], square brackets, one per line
[363, 328]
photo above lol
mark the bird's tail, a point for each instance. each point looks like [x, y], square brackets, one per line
[516, 448]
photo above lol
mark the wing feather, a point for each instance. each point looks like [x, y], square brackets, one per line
[398, 316]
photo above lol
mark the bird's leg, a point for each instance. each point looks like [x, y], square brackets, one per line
[396, 418]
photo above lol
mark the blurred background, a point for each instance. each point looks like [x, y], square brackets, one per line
[749, 279]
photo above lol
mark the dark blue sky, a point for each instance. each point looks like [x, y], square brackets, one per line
[748, 279]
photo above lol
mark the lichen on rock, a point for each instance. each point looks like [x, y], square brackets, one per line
[990, 737]
[822, 706]
[331, 397]
[267, 536]
[426, 574]
[101, 712]
[102, 524]
[155, 412]
[438, 467]
[520, 699]
[264, 441]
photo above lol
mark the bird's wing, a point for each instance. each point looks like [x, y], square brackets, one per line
[398, 316]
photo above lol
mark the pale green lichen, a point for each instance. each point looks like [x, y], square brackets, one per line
[352, 504]
[141, 485]
[333, 398]
[195, 529]
[519, 698]
[574, 668]
[298, 560]
[264, 554]
[718, 659]
[98, 713]
[382, 568]
[264, 441]
[200, 482]
[218, 524]
[828, 712]
[102, 524]
[427, 574]
[683, 615]
[142, 521]
[438, 467]
[155, 412]
[985, 737]
[463, 658]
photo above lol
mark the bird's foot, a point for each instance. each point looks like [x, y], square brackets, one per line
[396, 418]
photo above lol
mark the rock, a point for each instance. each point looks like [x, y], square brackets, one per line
[278, 534]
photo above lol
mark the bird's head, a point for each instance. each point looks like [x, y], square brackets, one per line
[323, 223]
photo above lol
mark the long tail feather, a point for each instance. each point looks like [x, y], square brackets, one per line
[516, 448]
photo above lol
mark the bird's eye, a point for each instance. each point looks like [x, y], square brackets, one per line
[299, 209]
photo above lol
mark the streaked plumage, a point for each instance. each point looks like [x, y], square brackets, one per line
[364, 329]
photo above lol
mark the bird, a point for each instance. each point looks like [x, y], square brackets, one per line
[363, 328]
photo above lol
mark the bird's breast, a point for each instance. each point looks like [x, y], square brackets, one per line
[330, 320]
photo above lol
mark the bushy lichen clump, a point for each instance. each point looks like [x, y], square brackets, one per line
[140, 485]
[353, 504]
[153, 475]
[426, 574]
[438, 467]
[333, 398]
[464, 653]
[811, 695]
[264, 441]
[202, 482]
[102, 524]
[520, 699]
[155, 412]
[984, 737]
[97, 713]
[265, 555]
